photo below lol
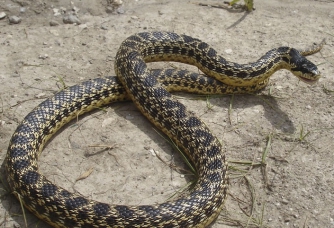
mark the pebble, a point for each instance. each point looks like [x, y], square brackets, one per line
[129, 117]
[104, 27]
[285, 201]
[228, 51]
[15, 74]
[2, 15]
[117, 2]
[40, 95]
[63, 9]
[56, 12]
[14, 20]
[54, 32]
[71, 19]
[45, 56]
[83, 26]
[120, 10]
[75, 10]
[278, 87]
[109, 9]
[108, 121]
[54, 23]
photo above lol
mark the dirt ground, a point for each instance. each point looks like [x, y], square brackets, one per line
[291, 121]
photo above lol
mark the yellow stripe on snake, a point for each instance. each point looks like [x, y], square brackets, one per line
[149, 90]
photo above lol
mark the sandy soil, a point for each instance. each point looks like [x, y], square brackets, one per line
[117, 143]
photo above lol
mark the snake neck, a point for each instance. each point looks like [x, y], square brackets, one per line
[195, 52]
[216, 66]
[164, 46]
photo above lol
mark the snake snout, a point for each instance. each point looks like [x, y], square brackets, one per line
[311, 76]
[304, 69]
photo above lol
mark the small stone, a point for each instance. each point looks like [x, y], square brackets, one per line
[54, 23]
[308, 107]
[129, 117]
[2, 15]
[83, 26]
[56, 12]
[54, 32]
[228, 51]
[108, 121]
[71, 19]
[75, 9]
[45, 56]
[14, 20]
[104, 27]
[120, 10]
[109, 9]
[63, 10]
[40, 95]
[278, 87]
[22, 10]
[117, 2]
[285, 201]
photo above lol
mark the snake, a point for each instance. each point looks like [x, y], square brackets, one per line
[150, 90]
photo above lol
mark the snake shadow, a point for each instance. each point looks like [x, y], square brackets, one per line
[278, 118]
[272, 112]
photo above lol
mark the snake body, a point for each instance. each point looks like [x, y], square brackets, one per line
[149, 89]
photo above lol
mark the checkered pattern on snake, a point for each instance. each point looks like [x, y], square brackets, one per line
[149, 89]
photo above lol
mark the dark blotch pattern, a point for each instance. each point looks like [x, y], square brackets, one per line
[203, 45]
[21, 164]
[188, 39]
[150, 81]
[31, 177]
[193, 122]
[214, 177]
[18, 152]
[65, 193]
[213, 151]
[101, 209]
[215, 164]
[161, 92]
[75, 203]
[242, 74]
[124, 211]
[49, 190]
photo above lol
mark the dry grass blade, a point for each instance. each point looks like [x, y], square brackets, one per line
[264, 162]
[85, 174]
[23, 211]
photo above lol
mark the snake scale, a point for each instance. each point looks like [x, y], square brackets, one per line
[149, 90]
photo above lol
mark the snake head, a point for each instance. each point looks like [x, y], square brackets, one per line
[303, 68]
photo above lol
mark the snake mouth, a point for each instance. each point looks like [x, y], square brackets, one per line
[309, 81]
[310, 78]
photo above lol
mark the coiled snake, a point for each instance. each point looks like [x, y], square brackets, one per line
[149, 91]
